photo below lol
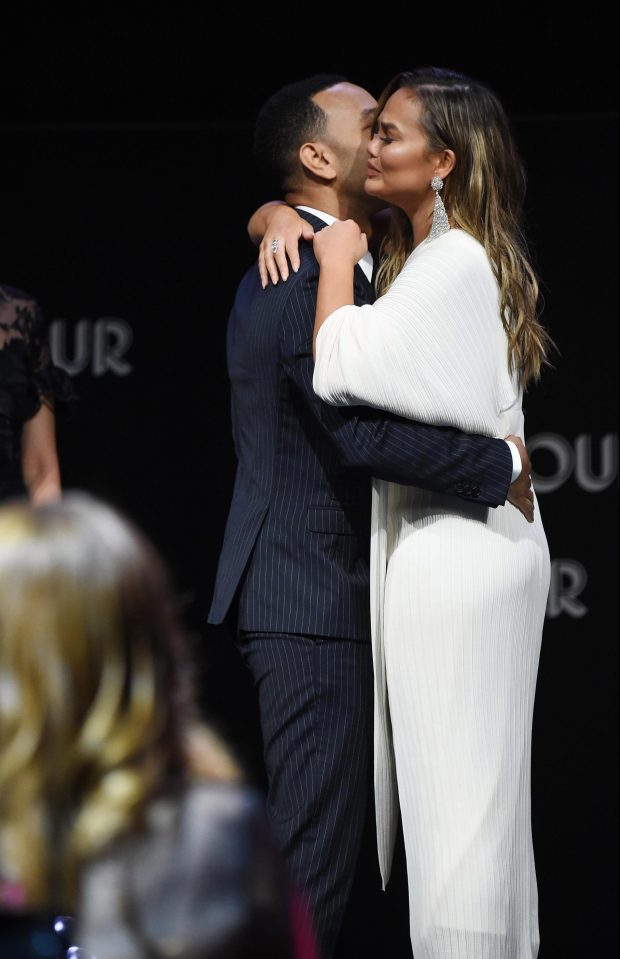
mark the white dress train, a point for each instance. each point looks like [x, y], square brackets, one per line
[458, 595]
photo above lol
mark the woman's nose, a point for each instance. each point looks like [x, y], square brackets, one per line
[373, 145]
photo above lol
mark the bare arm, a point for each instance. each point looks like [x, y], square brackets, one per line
[258, 223]
[40, 468]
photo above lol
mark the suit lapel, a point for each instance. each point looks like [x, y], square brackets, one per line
[362, 287]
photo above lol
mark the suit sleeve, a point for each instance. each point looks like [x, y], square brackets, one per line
[441, 459]
[233, 409]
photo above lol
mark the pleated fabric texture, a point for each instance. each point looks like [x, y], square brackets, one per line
[458, 598]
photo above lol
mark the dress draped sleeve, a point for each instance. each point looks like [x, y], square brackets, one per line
[433, 348]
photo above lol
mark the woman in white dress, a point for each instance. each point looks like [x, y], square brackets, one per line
[458, 590]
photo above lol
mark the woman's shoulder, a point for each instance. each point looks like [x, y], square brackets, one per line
[12, 295]
[456, 251]
[222, 801]
[453, 242]
[202, 822]
[205, 814]
[199, 875]
[8, 292]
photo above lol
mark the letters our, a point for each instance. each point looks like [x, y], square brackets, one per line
[100, 344]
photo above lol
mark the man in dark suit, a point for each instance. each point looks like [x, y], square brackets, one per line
[296, 548]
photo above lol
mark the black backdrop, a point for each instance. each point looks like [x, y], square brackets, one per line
[126, 183]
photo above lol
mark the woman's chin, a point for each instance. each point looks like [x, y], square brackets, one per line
[371, 187]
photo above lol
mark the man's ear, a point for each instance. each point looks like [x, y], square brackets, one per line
[318, 160]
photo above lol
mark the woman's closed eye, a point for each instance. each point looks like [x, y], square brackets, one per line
[375, 133]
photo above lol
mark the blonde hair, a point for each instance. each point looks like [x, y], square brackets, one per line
[483, 195]
[96, 706]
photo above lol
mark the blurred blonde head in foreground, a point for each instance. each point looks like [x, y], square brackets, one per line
[96, 705]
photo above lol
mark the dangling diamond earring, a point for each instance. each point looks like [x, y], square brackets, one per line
[440, 223]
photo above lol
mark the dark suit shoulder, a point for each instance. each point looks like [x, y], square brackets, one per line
[299, 304]
[307, 276]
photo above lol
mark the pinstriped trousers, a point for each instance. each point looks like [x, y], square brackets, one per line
[315, 703]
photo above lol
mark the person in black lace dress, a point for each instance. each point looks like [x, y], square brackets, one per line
[30, 386]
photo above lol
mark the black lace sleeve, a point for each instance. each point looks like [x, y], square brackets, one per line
[27, 372]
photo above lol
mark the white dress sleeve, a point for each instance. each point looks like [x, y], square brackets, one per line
[432, 349]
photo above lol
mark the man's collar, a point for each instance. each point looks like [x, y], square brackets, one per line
[365, 264]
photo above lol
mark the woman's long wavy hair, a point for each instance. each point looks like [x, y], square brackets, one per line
[483, 195]
[96, 704]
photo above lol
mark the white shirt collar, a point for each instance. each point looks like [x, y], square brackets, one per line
[365, 263]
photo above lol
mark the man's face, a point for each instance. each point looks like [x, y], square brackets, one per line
[350, 114]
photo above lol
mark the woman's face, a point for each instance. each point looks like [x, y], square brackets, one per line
[400, 164]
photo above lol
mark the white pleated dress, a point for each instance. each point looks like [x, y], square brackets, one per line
[458, 596]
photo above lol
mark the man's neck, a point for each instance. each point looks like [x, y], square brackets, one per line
[343, 208]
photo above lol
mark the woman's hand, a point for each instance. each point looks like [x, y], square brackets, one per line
[284, 229]
[337, 248]
[520, 492]
[342, 242]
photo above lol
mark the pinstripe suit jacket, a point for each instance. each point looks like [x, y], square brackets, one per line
[297, 535]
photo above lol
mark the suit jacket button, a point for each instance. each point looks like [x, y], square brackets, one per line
[467, 490]
[459, 488]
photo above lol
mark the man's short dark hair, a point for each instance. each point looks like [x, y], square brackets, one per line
[286, 120]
